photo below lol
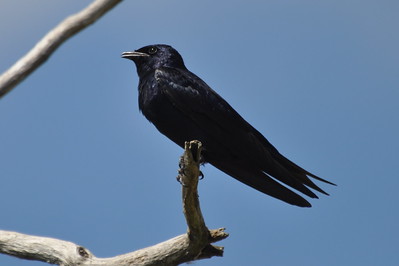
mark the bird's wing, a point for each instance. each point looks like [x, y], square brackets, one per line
[196, 99]
[213, 114]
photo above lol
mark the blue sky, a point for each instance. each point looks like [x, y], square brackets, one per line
[320, 79]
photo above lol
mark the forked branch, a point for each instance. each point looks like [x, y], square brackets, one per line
[194, 245]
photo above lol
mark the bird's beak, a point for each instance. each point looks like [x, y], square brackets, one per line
[132, 55]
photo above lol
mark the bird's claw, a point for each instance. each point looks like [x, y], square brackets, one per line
[201, 175]
[180, 179]
[181, 171]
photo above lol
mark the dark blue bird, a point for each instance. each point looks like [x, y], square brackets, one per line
[183, 108]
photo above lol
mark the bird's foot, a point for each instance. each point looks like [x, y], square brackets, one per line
[181, 171]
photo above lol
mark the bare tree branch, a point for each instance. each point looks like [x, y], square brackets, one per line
[194, 245]
[46, 46]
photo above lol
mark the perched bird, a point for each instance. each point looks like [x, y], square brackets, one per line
[183, 108]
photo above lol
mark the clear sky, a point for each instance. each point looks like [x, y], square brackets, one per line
[320, 79]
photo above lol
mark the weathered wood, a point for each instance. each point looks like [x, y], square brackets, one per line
[194, 245]
[49, 43]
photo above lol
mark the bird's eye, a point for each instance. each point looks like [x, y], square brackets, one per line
[152, 50]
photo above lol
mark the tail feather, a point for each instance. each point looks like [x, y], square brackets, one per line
[302, 174]
[262, 182]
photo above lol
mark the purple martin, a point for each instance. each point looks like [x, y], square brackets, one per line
[183, 108]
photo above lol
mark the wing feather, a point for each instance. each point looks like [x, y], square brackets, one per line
[242, 144]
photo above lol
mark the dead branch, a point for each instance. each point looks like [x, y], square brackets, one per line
[194, 245]
[49, 43]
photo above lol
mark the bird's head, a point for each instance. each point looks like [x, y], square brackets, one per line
[151, 57]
